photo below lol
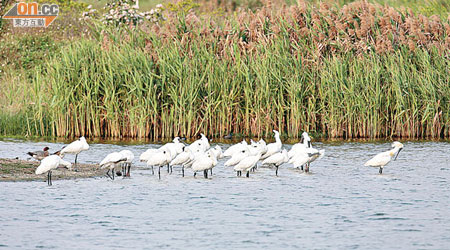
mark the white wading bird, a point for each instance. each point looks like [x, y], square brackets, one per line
[304, 143]
[237, 157]
[126, 166]
[235, 148]
[174, 148]
[247, 164]
[40, 154]
[159, 159]
[111, 161]
[75, 148]
[204, 163]
[273, 148]
[201, 144]
[50, 163]
[382, 159]
[182, 159]
[277, 159]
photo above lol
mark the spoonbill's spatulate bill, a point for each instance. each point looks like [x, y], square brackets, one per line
[382, 159]
[50, 163]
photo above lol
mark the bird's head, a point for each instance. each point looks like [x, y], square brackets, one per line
[399, 146]
[46, 148]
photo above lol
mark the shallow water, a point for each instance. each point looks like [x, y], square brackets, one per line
[340, 205]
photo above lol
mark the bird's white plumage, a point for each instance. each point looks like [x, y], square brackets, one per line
[127, 154]
[382, 159]
[247, 163]
[237, 157]
[145, 156]
[277, 158]
[273, 148]
[112, 160]
[235, 148]
[160, 158]
[50, 163]
[203, 162]
[75, 147]
[183, 158]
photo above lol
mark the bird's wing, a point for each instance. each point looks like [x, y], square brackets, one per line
[380, 159]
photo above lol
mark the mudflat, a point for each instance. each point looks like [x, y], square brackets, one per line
[22, 170]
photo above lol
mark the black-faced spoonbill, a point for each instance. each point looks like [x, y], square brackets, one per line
[246, 164]
[111, 161]
[159, 159]
[277, 159]
[50, 163]
[75, 148]
[40, 154]
[382, 159]
[273, 148]
[204, 162]
[126, 165]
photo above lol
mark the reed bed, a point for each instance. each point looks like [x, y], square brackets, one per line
[361, 71]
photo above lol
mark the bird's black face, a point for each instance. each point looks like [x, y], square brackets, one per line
[302, 139]
[398, 153]
[184, 148]
[309, 144]
[46, 148]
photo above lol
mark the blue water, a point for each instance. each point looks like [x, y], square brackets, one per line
[340, 205]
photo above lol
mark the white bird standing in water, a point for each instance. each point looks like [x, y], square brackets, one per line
[75, 148]
[50, 163]
[111, 161]
[301, 146]
[277, 159]
[273, 148]
[201, 144]
[204, 163]
[235, 148]
[182, 159]
[126, 166]
[382, 159]
[159, 159]
[247, 164]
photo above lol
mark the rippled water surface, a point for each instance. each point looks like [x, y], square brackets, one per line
[340, 205]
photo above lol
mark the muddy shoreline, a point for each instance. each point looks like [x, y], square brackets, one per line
[22, 170]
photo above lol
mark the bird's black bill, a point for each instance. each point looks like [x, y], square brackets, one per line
[398, 153]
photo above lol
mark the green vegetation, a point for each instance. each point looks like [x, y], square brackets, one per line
[363, 70]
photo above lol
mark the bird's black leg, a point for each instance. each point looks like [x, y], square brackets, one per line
[276, 171]
[381, 170]
[248, 174]
[195, 174]
[159, 172]
[182, 169]
[129, 169]
[211, 171]
[307, 168]
[153, 172]
[107, 173]
[51, 183]
[171, 169]
[48, 178]
[76, 166]
[168, 167]
[301, 167]
[112, 174]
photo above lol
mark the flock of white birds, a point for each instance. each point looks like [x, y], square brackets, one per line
[201, 157]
